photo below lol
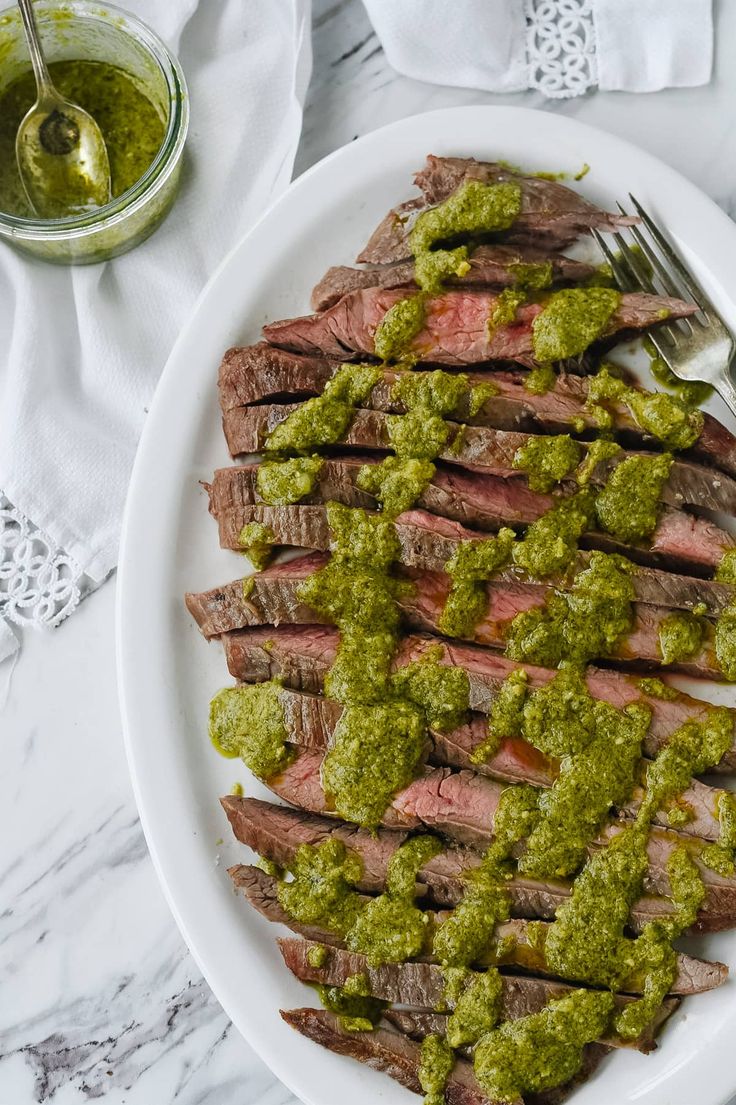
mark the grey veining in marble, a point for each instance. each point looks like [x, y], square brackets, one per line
[99, 999]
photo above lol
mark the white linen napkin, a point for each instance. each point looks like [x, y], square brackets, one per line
[84, 346]
[560, 47]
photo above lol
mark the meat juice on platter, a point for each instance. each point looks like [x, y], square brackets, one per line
[496, 833]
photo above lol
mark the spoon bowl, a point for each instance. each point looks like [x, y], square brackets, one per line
[61, 154]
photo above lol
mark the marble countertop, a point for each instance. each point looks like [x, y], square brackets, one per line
[99, 997]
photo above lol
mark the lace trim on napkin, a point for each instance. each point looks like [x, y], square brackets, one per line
[39, 584]
[560, 44]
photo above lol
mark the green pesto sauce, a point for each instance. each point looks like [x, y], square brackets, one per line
[391, 929]
[249, 722]
[571, 320]
[550, 544]
[505, 306]
[665, 417]
[692, 393]
[540, 379]
[433, 267]
[691, 750]
[589, 784]
[247, 588]
[418, 435]
[547, 460]
[478, 1009]
[680, 636]
[480, 394]
[473, 208]
[506, 715]
[399, 326]
[439, 393]
[356, 1012]
[725, 642]
[628, 506]
[585, 622]
[281, 482]
[325, 419]
[376, 751]
[322, 889]
[542, 1050]
[257, 541]
[726, 570]
[273, 869]
[471, 565]
[462, 938]
[435, 1067]
[441, 691]
[655, 688]
[720, 857]
[397, 483]
[131, 126]
[597, 452]
[534, 276]
[317, 955]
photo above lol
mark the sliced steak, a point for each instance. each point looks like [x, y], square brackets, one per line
[681, 541]
[462, 806]
[272, 598]
[310, 720]
[277, 831]
[484, 450]
[302, 655]
[490, 266]
[385, 1050]
[551, 214]
[421, 986]
[262, 372]
[455, 328]
[525, 947]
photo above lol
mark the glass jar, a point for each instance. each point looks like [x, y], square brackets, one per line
[83, 31]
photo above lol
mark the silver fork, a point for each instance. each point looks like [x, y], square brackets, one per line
[697, 348]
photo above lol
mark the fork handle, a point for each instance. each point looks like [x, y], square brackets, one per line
[726, 388]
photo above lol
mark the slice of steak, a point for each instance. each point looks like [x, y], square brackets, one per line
[310, 720]
[271, 597]
[462, 806]
[257, 373]
[485, 450]
[490, 266]
[276, 832]
[417, 1025]
[681, 541]
[524, 946]
[551, 214]
[421, 986]
[428, 541]
[455, 331]
[385, 1050]
[302, 655]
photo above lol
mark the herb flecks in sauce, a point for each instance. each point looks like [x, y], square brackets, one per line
[547, 460]
[693, 394]
[540, 379]
[505, 306]
[571, 320]
[257, 540]
[542, 1050]
[663, 416]
[249, 722]
[628, 506]
[321, 891]
[399, 326]
[725, 642]
[478, 1009]
[471, 565]
[131, 125]
[325, 419]
[726, 570]
[551, 542]
[356, 1012]
[282, 482]
[584, 622]
[473, 208]
[680, 636]
[435, 1067]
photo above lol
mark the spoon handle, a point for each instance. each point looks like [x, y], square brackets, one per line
[41, 73]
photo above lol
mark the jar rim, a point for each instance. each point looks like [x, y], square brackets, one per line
[167, 156]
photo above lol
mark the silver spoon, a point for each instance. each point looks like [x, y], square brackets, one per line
[61, 154]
